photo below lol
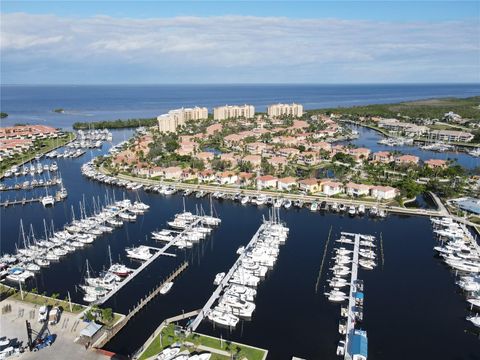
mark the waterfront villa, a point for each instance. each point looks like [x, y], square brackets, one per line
[352, 189]
[287, 183]
[266, 181]
[226, 178]
[383, 192]
[172, 173]
[331, 188]
[206, 176]
[309, 185]
[359, 154]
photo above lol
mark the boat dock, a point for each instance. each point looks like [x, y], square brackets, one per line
[158, 253]
[110, 333]
[25, 201]
[351, 299]
[216, 294]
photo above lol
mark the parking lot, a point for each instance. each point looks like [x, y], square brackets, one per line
[13, 326]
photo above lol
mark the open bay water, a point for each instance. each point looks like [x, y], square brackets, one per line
[412, 307]
[35, 104]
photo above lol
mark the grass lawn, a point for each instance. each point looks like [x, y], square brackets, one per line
[168, 337]
[40, 299]
[39, 147]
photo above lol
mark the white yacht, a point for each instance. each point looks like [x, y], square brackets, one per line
[166, 287]
[139, 253]
[48, 200]
[218, 278]
[223, 318]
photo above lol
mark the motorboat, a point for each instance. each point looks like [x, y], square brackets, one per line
[287, 204]
[223, 318]
[352, 211]
[218, 278]
[120, 270]
[314, 206]
[48, 200]
[168, 353]
[166, 287]
[139, 253]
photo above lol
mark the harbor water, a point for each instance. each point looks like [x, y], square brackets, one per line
[411, 301]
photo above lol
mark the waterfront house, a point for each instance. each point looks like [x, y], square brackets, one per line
[206, 176]
[156, 171]
[436, 164]
[172, 173]
[331, 188]
[383, 192]
[406, 160]
[309, 185]
[28, 132]
[226, 178]
[266, 182]
[286, 183]
[383, 157]
[352, 189]
[245, 178]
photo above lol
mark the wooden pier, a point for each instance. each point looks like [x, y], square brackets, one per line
[110, 333]
[25, 201]
[216, 294]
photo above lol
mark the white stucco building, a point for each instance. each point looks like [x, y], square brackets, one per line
[276, 110]
[175, 118]
[233, 112]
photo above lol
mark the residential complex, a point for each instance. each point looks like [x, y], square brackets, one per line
[233, 112]
[450, 135]
[174, 118]
[278, 110]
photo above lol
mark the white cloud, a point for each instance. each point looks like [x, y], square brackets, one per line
[314, 49]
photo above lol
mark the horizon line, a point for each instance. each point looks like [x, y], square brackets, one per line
[241, 83]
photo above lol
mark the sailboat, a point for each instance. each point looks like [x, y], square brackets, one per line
[117, 268]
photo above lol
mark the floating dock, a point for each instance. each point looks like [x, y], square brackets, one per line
[158, 253]
[216, 294]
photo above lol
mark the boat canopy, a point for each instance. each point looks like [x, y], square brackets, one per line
[359, 295]
[91, 329]
[359, 344]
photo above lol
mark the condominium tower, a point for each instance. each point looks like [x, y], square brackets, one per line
[233, 112]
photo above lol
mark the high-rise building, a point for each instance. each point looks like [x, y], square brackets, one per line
[233, 112]
[175, 118]
[277, 110]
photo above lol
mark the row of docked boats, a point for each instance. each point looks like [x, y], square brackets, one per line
[90, 139]
[351, 210]
[36, 253]
[35, 183]
[187, 229]
[342, 261]
[66, 154]
[458, 249]
[30, 169]
[238, 287]
[97, 287]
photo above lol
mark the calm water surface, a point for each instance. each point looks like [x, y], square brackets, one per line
[412, 305]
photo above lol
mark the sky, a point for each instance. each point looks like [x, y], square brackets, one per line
[161, 42]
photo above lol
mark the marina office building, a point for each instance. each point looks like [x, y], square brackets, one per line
[233, 111]
[276, 110]
[174, 118]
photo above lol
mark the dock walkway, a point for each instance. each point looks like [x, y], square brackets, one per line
[351, 300]
[216, 294]
[158, 253]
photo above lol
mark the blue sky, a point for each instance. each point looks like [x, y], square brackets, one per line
[240, 41]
